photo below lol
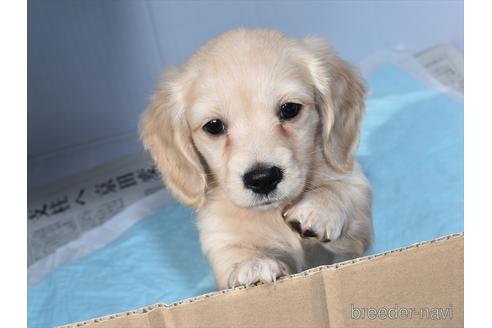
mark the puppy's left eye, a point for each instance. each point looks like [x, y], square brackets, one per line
[289, 110]
[214, 127]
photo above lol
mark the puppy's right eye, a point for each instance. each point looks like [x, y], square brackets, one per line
[289, 110]
[214, 127]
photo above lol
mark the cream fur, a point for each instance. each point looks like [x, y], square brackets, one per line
[242, 77]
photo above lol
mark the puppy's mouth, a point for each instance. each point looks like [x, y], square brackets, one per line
[266, 203]
[265, 206]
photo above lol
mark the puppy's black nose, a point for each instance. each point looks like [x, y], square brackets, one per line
[263, 179]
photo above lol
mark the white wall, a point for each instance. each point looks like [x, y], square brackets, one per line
[92, 64]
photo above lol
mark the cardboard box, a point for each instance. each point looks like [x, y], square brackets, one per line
[417, 286]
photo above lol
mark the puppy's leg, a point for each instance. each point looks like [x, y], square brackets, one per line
[259, 268]
[235, 266]
[338, 214]
[246, 250]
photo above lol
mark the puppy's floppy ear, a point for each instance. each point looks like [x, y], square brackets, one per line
[340, 100]
[167, 136]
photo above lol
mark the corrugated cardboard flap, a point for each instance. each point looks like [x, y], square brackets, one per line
[417, 286]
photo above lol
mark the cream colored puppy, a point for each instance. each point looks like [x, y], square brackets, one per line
[257, 132]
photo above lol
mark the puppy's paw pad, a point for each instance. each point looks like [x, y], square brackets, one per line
[296, 226]
[256, 270]
[308, 233]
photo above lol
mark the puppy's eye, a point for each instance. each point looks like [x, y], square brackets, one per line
[289, 110]
[214, 127]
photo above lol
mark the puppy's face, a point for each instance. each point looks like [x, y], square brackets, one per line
[248, 113]
[253, 119]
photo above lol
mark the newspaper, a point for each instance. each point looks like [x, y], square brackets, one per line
[63, 211]
[445, 63]
[440, 67]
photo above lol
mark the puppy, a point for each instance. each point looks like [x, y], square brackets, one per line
[257, 132]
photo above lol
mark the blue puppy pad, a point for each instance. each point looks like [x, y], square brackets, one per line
[411, 150]
[157, 260]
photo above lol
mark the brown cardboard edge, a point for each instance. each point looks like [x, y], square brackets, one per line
[308, 272]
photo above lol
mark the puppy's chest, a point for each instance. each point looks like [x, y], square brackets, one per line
[254, 226]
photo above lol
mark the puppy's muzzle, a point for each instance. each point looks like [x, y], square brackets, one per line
[263, 179]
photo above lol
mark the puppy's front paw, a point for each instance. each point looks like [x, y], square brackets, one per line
[311, 219]
[261, 269]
